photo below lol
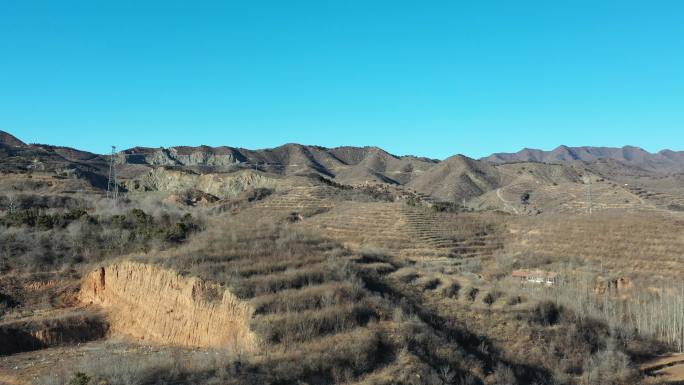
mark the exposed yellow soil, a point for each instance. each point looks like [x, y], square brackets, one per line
[160, 306]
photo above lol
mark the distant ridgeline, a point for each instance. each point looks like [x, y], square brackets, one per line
[456, 179]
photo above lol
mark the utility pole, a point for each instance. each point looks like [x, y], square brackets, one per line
[112, 185]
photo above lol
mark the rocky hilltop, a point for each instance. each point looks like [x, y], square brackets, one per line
[372, 162]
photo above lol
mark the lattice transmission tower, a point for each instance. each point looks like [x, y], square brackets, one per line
[112, 184]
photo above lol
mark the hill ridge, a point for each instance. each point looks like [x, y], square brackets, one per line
[663, 160]
[484, 183]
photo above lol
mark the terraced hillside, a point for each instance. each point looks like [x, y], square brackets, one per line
[458, 238]
[627, 242]
[408, 232]
[532, 194]
[320, 312]
[531, 198]
[667, 199]
[299, 198]
[371, 224]
[347, 291]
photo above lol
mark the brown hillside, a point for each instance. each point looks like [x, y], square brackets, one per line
[457, 178]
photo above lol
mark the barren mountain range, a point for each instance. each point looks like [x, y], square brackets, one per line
[326, 160]
[455, 179]
[662, 161]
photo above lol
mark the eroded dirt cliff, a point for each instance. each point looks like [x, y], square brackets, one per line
[222, 185]
[43, 331]
[159, 305]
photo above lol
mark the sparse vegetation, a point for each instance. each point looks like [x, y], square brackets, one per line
[36, 239]
[446, 207]
[342, 281]
[79, 378]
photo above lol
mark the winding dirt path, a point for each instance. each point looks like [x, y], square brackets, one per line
[507, 204]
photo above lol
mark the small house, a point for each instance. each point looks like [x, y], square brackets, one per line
[542, 277]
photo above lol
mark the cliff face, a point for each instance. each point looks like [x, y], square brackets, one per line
[227, 185]
[158, 305]
[183, 156]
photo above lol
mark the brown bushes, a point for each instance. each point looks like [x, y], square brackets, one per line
[292, 279]
[303, 326]
[647, 244]
[337, 358]
[472, 294]
[491, 297]
[249, 268]
[307, 298]
[657, 316]
[38, 239]
[429, 283]
[609, 367]
[546, 313]
[451, 290]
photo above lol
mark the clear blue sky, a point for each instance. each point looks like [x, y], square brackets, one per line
[430, 78]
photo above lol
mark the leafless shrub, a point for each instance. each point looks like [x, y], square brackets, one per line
[451, 290]
[609, 367]
[406, 275]
[372, 254]
[491, 297]
[656, 315]
[471, 265]
[429, 283]
[504, 375]
[271, 283]
[336, 358]
[472, 294]
[303, 326]
[307, 298]
[546, 313]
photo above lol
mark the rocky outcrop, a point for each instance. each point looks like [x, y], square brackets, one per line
[183, 156]
[160, 306]
[206, 156]
[221, 185]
